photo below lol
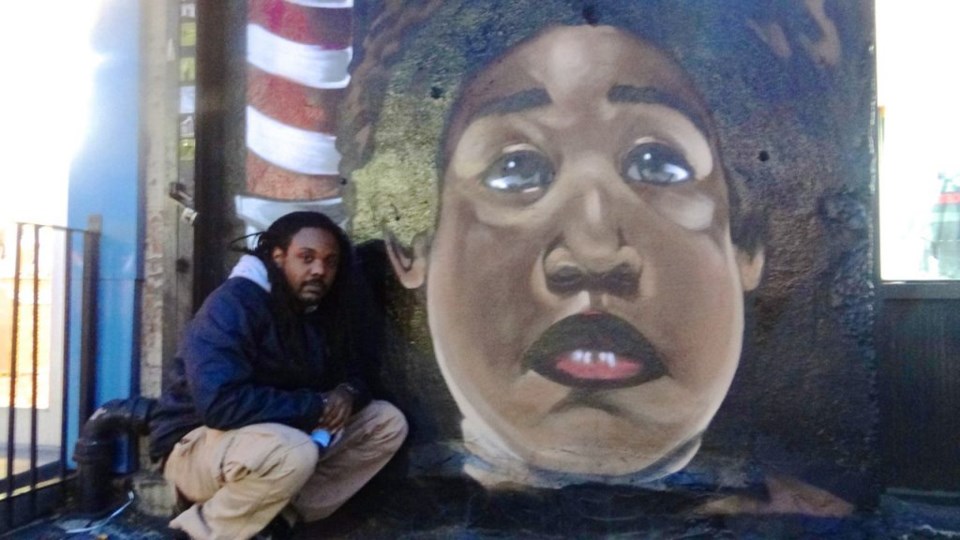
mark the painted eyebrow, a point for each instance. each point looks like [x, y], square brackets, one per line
[622, 93]
[520, 101]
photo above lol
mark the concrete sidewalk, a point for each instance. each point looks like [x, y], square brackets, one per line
[442, 508]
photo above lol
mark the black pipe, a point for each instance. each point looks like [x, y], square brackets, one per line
[89, 325]
[95, 447]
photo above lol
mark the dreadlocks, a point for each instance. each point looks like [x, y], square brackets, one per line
[333, 308]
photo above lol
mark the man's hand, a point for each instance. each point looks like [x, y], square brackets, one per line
[337, 408]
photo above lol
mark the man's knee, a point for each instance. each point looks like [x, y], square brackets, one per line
[390, 424]
[270, 451]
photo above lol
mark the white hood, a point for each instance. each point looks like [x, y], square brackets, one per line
[252, 268]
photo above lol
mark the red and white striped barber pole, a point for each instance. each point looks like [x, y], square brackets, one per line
[298, 52]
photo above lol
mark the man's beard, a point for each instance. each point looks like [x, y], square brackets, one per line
[294, 299]
[313, 298]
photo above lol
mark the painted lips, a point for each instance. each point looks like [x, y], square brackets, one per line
[599, 365]
[594, 350]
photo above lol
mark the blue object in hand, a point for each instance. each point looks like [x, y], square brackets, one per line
[322, 437]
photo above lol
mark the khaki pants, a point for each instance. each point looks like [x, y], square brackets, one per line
[240, 479]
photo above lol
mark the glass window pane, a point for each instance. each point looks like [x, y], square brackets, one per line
[919, 161]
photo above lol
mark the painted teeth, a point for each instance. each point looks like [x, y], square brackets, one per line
[592, 357]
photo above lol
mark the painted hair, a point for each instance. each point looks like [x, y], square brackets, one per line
[415, 58]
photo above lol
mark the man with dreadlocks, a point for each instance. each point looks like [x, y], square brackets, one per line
[272, 355]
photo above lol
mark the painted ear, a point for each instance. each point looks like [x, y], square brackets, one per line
[751, 268]
[409, 262]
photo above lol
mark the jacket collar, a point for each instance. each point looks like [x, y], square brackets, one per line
[253, 269]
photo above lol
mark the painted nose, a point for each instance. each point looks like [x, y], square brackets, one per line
[622, 280]
[591, 253]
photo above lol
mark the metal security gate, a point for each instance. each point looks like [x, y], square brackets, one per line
[48, 281]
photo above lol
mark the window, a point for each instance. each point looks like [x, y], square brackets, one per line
[919, 145]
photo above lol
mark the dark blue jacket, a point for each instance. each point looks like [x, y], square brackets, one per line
[231, 370]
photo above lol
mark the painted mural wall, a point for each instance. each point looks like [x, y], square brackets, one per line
[623, 244]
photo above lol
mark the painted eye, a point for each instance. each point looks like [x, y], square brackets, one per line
[656, 163]
[523, 171]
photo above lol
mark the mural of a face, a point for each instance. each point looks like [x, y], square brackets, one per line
[584, 295]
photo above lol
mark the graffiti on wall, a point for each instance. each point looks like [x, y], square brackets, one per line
[584, 294]
[584, 197]
[297, 57]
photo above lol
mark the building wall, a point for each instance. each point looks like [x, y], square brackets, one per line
[632, 252]
[160, 149]
[168, 52]
[105, 182]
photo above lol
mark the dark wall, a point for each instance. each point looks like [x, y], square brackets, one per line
[918, 390]
[221, 76]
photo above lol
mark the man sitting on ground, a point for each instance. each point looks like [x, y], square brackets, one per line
[273, 354]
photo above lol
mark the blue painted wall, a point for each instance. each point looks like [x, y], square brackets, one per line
[105, 180]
